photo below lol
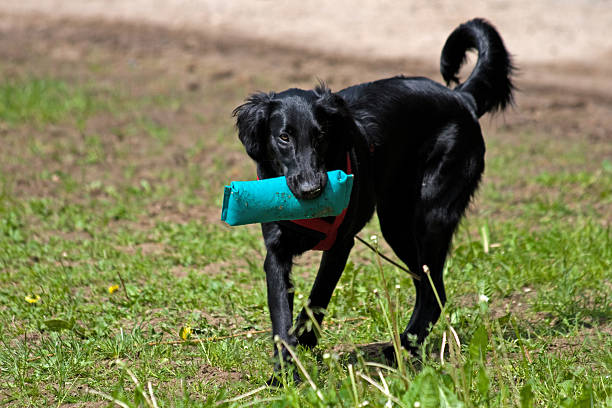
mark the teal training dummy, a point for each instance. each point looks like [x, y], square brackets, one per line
[248, 202]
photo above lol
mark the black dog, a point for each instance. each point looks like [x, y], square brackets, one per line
[417, 153]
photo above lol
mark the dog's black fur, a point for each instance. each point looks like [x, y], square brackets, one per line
[417, 154]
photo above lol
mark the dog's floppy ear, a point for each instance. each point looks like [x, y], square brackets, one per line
[333, 111]
[329, 104]
[252, 123]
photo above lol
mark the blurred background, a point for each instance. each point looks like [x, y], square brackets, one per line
[535, 31]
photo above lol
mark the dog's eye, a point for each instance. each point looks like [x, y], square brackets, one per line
[284, 137]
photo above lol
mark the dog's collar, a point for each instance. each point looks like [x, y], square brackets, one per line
[329, 229]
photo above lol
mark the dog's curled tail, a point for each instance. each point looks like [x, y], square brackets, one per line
[490, 83]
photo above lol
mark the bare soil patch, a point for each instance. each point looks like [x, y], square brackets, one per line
[535, 31]
[209, 75]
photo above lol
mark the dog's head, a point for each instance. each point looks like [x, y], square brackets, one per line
[297, 134]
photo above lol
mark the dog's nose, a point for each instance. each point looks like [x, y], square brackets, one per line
[307, 188]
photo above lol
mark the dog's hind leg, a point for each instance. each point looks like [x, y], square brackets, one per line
[433, 250]
[448, 184]
[423, 237]
[416, 248]
[330, 270]
[397, 226]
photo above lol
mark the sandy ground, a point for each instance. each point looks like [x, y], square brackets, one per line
[535, 31]
[563, 48]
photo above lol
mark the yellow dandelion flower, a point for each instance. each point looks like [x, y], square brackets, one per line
[32, 299]
[113, 288]
[185, 332]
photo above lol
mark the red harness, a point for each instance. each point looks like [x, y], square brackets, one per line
[330, 229]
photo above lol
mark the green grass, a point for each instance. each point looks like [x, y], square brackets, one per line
[541, 339]
[43, 100]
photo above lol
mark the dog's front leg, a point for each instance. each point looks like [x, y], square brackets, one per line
[330, 270]
[280, 303]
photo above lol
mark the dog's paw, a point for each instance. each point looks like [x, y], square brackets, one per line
[390, 354]
[308, 339]
[276, 379]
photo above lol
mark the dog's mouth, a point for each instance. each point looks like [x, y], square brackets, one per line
[307, 186]
[312, 194]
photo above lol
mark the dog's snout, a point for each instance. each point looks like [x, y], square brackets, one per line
[307, 187]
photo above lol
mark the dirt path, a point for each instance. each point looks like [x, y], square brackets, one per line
[535, 31]
[557, 43]
[563, 48]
